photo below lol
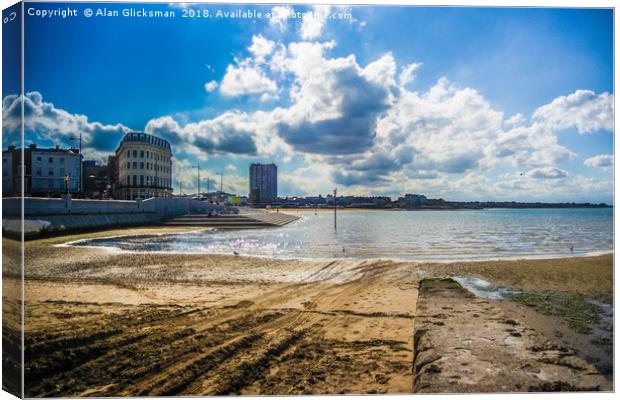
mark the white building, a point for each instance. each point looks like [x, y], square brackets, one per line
[55, 171]
[50, 171]
[144, 165]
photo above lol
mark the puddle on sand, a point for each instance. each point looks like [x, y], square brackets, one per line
[482, 288]
[605, 326]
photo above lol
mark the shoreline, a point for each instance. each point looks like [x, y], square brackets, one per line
[117, 250]
[301, 326]
[331, 209]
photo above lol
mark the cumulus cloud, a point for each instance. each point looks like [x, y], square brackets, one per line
[576, 188]
[312, 26]
[211, 86]
[515, 120]
[43, 121]
[279, 16]
[583, 109]
[365, 127]
[335, 103]
[374, 169]
[530, 145]
[446, 129]
[407, 75]
[603, 161]
[266, 97]
[547, 173]
[242, 80]
[362, 127]
[229, 133]
[261, 47]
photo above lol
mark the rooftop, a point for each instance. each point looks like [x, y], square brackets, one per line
[145, 138]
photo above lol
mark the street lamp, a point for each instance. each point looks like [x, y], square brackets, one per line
[72, 138]
[221, 174]
[335, 193]
[198, 167]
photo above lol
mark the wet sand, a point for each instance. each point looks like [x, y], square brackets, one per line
[100, 323]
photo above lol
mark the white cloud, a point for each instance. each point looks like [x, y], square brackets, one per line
[571, 188]
[265, 97]
[533, 145]
[366, 129]
[583, 109]
[446, 129]
[381, 71]
[242, 80]
[335, 103]
[211, 86]
[261, 48]
[279, 16]
[603, 161]
[547, 173]
[407, 74]
[228, 133]
[515, 120]
[45, 122]
[361, 127]
[312, 26]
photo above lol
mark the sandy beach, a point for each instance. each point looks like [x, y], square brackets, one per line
[102, 323]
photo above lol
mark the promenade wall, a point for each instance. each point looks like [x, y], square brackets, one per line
[43, 215]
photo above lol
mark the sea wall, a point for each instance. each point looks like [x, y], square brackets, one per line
[42, 215]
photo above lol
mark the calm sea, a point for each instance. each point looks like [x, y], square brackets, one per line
[410, 235]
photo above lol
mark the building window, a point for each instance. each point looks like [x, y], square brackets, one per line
[141, 153]
[128, 165]
[135, 153]
[51, 159]
[128, 180]
[39, 158]
[135, 165]
[135, 180]
[39, 172]
[142, 165]
[62, 172]
[50, 172]
[141, 180]
[128, 153]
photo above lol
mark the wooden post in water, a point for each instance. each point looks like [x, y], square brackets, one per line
[335, 192]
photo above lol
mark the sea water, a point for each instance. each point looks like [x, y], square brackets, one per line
[408, 235]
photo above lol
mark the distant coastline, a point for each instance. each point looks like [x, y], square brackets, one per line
[411, 201]
[453, 205]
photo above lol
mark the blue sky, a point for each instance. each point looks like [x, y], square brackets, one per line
[498, 103]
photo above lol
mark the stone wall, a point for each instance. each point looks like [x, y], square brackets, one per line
[50, 215]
